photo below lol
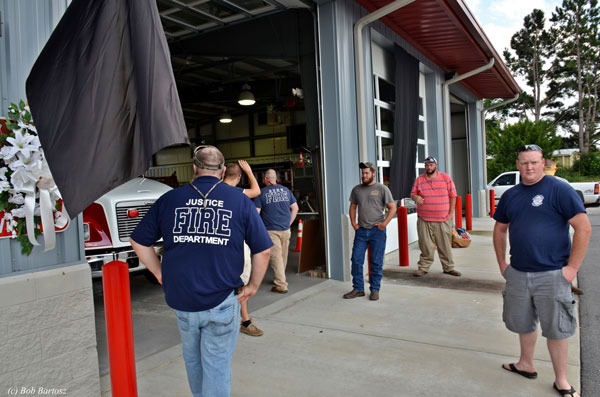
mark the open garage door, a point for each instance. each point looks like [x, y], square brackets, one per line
[263, 52]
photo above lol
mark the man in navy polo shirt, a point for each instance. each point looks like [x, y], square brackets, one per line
[203, 226]
[543, 263]
[278, 208]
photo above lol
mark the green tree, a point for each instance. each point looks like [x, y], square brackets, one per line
[588, 164]
[503, 143]
[533, 47]
[576, 68]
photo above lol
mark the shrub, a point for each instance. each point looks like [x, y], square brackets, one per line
[588, 164]
[502, 143]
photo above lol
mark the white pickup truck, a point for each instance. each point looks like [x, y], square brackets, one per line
[109, 221]
[589, 192]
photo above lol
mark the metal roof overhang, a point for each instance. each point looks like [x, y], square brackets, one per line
[446, 32]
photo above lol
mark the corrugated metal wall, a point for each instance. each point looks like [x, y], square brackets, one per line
[26, 26]
[68, 251]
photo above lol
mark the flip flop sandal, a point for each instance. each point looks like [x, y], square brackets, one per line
[564, 392]
[513, 368]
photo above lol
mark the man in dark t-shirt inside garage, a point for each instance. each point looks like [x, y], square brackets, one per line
[203, 226]
[233, 176]
[278, 208]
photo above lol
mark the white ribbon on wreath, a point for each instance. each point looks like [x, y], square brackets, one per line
[31, 175]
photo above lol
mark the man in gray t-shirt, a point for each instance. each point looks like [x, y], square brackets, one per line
[371, 199]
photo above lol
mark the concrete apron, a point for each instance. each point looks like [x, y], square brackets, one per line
[434, 335]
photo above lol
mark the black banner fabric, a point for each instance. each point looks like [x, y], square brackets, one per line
[406, 119]
[103, 97]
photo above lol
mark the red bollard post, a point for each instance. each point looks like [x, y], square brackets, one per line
[402, 214]
[119, 329]
[458, 212]
[492, 203]
[469, 211]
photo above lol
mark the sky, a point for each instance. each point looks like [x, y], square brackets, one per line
[500, 19]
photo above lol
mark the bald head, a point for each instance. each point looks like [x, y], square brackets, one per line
[208, 160]
[271, 176]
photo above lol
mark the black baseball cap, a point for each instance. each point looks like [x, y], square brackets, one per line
[367, 165]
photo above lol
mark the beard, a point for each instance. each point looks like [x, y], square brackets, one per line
[367, 181]
[431, 172]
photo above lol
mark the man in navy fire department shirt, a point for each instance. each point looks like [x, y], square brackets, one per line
[203, 226]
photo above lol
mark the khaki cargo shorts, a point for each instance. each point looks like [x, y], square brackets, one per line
[544, 297]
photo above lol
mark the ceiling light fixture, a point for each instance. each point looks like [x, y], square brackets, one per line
[246, 96]
[225, 118]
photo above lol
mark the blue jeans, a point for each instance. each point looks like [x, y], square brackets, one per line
[375, 239]
[208, 338]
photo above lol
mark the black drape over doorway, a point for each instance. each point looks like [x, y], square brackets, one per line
[103, 97]
[406, 119]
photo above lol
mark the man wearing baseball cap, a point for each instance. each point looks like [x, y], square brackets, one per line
[371, 199]
[435, 195]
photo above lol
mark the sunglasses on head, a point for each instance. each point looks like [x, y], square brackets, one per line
[527, 148]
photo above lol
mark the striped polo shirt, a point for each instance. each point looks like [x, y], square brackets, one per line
[436, 193]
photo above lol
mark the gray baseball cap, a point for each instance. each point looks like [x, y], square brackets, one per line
[367, 165]
[430, 159]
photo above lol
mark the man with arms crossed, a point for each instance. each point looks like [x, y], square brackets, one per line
[370, 198]
[543, 263]
[435, 195]
[233, 175]
[203, 226]
[278, 208]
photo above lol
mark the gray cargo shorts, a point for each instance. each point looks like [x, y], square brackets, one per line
[546, 297]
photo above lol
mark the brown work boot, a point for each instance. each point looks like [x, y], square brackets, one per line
[420, 273]
[251, 329]
[279, 290]
[452, 272]
[374, 296]
[354, 294]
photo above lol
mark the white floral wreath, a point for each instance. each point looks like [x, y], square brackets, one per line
[27, 189]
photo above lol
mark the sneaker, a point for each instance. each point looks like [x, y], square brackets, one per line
[354, 294]
[420, 273]
[453, 272]
[279, 290]
[251, 329]
[374, 296]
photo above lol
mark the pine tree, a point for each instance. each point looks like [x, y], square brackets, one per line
[577, 73]
[533, 46]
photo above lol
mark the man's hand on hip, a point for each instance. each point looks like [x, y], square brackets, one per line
[246, 293]
[569, 273]
[380, 226]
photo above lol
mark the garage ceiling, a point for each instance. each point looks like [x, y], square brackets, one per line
[217, 80]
